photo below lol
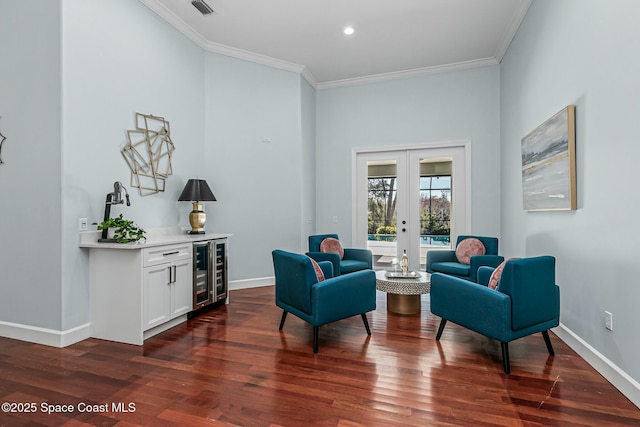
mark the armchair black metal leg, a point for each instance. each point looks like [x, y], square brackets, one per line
[366, 323]
[505, 357]
[547, 341]
[315, 339]
[443, 322]
[282, 319]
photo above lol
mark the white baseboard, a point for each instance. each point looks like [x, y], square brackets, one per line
[45, 336]
[61, 339]
[252, 283]
[612, 373]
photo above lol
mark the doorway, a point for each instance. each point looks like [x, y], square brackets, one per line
[412, 199]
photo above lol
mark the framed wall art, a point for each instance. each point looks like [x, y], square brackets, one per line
[549, 164]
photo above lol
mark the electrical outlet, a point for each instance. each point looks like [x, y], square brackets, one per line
[608, 320]
[82, 224]
[335, 219]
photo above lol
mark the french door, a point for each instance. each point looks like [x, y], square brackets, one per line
[412, 199]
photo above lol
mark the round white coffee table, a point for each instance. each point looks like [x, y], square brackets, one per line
[403, 293]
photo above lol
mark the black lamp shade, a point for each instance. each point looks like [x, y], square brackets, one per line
[197, 190]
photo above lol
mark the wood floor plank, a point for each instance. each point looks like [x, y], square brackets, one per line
[232, 366]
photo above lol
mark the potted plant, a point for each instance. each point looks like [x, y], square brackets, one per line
[124, 231]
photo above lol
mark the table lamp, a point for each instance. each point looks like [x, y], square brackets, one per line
[197, 191]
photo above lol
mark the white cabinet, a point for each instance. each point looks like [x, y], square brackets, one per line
[140, 291]
[167, 284]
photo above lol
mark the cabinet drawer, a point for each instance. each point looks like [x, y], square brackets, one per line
[169, 253]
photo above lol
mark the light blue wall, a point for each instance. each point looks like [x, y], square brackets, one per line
[581, 52]
[456, 106]
[71, 85]
[258, 184]
[30, 176]
[119, 58]
[308, 197]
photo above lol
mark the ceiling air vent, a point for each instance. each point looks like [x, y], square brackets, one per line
[204, 8]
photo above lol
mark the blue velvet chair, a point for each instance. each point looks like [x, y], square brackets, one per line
[446, 262]
[298, 291]
[526, 301]
[354, 259]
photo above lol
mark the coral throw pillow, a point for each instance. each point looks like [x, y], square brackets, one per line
[316, 267]
[497, 273]
[467, 248]
[332, 245]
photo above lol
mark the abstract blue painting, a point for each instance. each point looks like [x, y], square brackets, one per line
[549, 164]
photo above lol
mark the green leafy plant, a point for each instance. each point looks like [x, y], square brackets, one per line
[386, 229]
[124, 231]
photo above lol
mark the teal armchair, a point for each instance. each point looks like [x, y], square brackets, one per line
[299, 291]
[354, 259]
[526, 301]
[446, 262]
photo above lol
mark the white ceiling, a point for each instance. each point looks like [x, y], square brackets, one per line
[392, 39]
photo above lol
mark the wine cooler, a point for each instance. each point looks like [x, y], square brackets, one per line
[209, 272]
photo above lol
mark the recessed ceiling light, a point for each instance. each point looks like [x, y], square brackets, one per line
[349, 30]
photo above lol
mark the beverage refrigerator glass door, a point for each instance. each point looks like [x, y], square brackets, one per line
[202, 285]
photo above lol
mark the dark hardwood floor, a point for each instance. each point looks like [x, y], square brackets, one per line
[231, 365]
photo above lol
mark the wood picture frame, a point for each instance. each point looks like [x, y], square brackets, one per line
[549, 164]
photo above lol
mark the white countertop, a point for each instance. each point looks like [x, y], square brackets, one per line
[155, 237]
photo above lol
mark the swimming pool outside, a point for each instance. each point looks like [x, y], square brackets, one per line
[430, 240]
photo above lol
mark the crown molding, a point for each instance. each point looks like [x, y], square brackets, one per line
[252, 57]
[166, 14]
[511, 30]
[458, 66]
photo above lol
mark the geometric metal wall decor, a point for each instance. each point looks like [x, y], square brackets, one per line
[2, 138]
[148, 153]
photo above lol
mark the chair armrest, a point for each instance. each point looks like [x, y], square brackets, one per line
[477, 261]
[359, 255]
[484, 274]
[471, 305]
[440, 256]
[327, 256]
[343, 296]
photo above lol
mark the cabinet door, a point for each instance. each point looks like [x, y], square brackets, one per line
[157, 295]
[181, 288]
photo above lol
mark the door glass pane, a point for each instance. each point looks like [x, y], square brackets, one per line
[435, 207]
[381, 213]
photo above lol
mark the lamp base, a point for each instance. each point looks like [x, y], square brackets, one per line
[197, 218]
